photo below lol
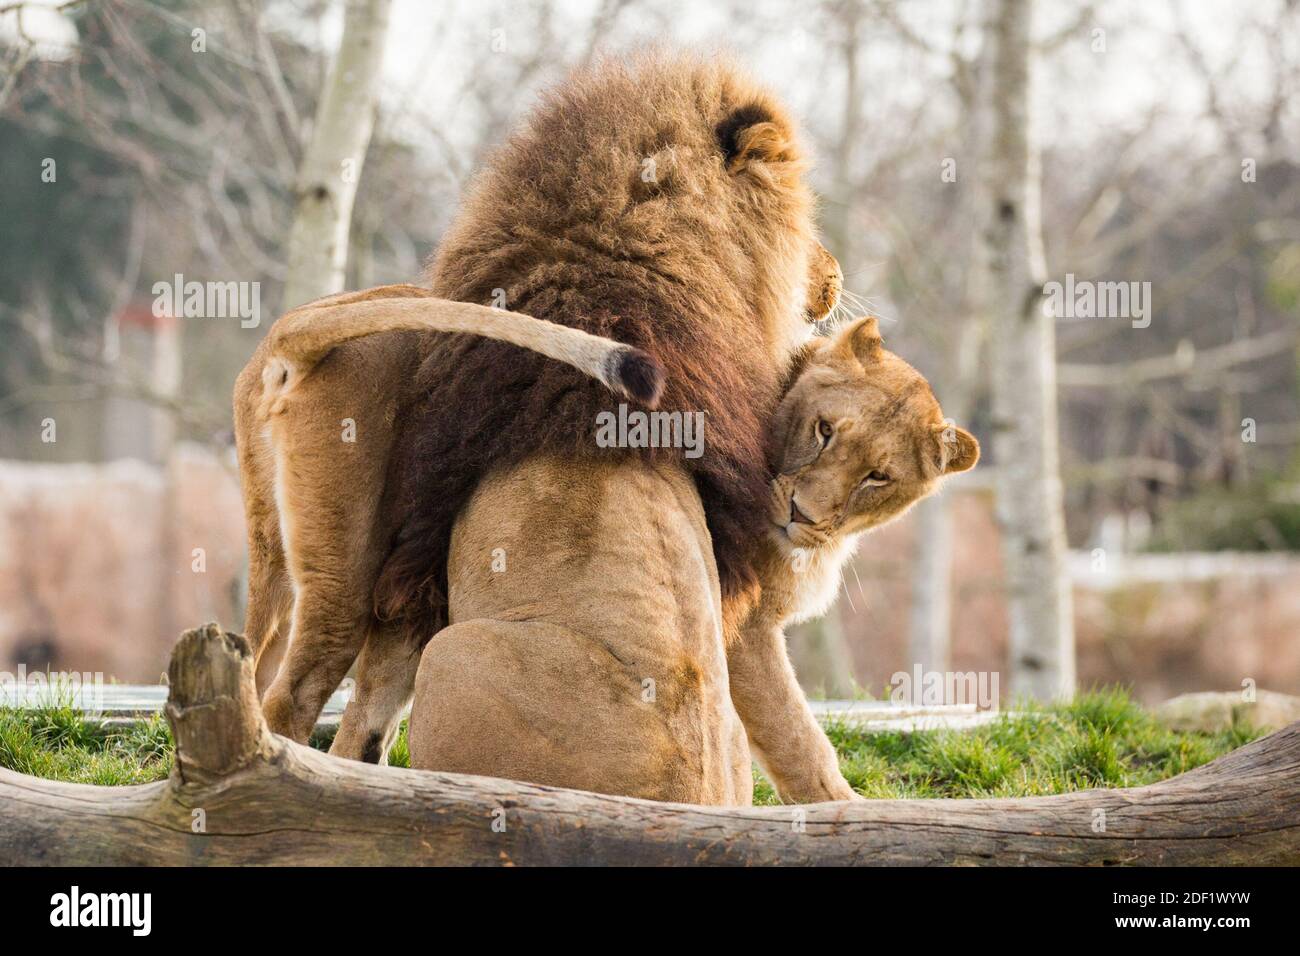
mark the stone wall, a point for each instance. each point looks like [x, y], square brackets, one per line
[103, 566]
[1160, 624]
[99, 572]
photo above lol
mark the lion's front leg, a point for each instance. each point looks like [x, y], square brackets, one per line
[784, 735]
[385, 680]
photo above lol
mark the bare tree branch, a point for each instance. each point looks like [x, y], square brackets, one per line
[1184, 361]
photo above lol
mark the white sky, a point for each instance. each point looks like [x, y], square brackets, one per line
[434, 45]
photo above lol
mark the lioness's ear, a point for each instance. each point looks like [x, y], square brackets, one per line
[861, 339]
[956, 449]
[751, 135]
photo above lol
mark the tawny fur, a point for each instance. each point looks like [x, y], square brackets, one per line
[312, 440]
[301, 338]
[532, 663]
[708, 267]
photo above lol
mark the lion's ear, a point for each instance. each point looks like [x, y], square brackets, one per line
[955, 449]
[752, 135]
[861, 339]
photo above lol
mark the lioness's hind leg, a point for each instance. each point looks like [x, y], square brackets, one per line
[270, 590]
[385, 680]
[272, 653]
[330, 620]
[270, 604]
[331, 444]
[308, 655]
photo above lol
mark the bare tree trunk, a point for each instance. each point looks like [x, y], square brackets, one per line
[238, 794]
[1023, 364]
[838, 217]
[331, 166]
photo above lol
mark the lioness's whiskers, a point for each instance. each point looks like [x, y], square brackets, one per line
[854, 568]
[847, 595]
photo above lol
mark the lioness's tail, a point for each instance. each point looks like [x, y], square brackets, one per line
[303, 337]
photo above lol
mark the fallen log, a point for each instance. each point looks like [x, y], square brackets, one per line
[241, 795]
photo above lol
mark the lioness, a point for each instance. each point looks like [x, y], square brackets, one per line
[856, 441]
[659, 202]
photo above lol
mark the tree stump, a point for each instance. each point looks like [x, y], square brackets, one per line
[241, 795]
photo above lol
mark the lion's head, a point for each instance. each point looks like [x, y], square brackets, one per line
[857, 440]
[674, 175]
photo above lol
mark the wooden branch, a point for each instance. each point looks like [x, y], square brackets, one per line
[1185, 360]
[1052, 42]
[240, 795]
[1127, 468]
[212, 706]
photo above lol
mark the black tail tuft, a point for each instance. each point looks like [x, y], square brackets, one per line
[641, 376]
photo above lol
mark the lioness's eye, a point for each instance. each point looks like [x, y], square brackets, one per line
[876, 478]
[825, 429]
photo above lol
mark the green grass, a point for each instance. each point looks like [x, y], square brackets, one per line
[61, 744]
[1100, 739]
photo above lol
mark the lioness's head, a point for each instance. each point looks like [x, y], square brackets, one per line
[671, 173]
[857, 439]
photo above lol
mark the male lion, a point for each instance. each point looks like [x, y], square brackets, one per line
[660, 203]
[857, 439]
